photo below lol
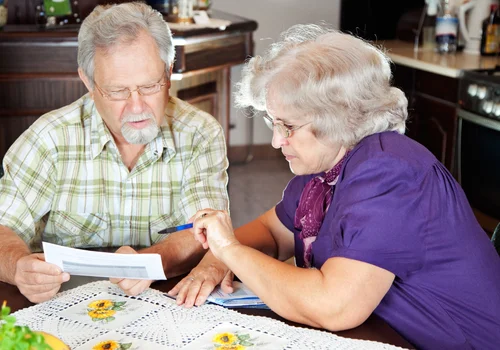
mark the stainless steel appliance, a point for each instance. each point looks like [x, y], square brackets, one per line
[478, 142]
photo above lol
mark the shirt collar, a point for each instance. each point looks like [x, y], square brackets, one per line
[100, 134]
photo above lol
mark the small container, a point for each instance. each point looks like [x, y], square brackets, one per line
[181, 11]
[3, 13]
[202, 5]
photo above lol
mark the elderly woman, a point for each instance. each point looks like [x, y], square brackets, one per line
[376, 223]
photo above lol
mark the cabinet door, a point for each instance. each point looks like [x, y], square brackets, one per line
[434, 126]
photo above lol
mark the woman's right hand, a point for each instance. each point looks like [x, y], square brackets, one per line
[214, 230]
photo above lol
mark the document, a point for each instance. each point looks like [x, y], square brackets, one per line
[98, 264]
[242, 297]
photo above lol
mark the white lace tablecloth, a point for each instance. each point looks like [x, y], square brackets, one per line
[154, 321]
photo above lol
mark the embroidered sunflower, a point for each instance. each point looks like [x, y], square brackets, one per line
[231, 347]
[101, 304]
[107, 345]
[225, 338]
[100, 314]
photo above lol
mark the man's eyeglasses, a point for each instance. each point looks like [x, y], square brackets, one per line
[124, 94]
[284, 130]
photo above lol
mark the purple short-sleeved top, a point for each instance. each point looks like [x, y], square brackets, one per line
[397, 207]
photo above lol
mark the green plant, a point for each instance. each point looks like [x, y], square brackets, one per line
[14, 337]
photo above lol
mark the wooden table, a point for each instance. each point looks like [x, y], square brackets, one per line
[373, 329]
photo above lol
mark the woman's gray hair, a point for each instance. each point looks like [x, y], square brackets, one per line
[340, 82]
[110, 25]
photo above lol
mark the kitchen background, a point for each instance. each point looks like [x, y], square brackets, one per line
[454, 99]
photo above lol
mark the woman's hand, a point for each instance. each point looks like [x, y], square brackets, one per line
[214, 230]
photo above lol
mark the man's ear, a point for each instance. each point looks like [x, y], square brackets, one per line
[86, 81]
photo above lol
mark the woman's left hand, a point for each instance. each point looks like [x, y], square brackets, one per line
[214, 230]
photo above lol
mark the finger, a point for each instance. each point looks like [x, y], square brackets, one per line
[126, 250]
[181, 289]
[199, 230]
[139, 287]
[134, 287]
[227, 282]
[193, 290]
[38, 295]
[35, 263]
[116, 280]
[39, 279]
[206, 288]
[174, 291]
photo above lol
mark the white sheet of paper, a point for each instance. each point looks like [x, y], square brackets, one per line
[98, 264]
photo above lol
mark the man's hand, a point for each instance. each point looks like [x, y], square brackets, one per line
[38, 280]
[201, 281]
[130, 286]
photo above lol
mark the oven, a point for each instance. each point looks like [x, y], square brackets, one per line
[478, 144]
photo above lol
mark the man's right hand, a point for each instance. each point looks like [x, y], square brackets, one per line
[37, 279]
[202, 280]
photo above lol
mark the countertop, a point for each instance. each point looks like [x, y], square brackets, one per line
[181, 34]
[450, 65]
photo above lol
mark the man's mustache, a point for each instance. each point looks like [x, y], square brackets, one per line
[130, 118]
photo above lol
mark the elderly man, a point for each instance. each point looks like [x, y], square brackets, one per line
[116, 166]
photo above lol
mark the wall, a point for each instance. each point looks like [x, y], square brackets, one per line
[273, 16]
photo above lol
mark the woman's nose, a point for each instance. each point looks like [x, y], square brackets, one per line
[278, 140]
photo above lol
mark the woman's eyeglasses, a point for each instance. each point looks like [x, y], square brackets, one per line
[282, 129]
[124, 94]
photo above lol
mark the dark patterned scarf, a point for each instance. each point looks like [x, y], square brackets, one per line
[313, 204]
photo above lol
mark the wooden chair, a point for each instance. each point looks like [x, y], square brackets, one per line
[495, 239]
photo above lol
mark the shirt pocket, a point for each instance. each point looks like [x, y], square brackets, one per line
[82, 230]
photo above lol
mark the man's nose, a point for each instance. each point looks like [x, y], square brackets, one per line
[136, 102]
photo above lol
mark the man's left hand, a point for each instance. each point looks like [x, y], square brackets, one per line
[131, 287]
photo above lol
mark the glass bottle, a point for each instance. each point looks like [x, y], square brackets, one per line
[490, 37]
[429, 26]
[446, 28]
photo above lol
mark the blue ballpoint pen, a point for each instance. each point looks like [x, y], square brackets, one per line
[175, 228]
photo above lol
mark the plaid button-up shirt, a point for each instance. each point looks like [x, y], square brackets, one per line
[65, 182]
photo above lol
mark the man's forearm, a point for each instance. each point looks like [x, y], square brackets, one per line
[11, 250]
[179, 252]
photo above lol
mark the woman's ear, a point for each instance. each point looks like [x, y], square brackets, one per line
[170, 76]
[86, 81]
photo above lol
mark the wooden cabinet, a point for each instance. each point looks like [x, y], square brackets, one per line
[432, 118]
[38, 70]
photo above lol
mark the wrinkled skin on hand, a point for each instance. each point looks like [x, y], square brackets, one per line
[214, 230]
[201, 281]
[38, 280]
[129, 286]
